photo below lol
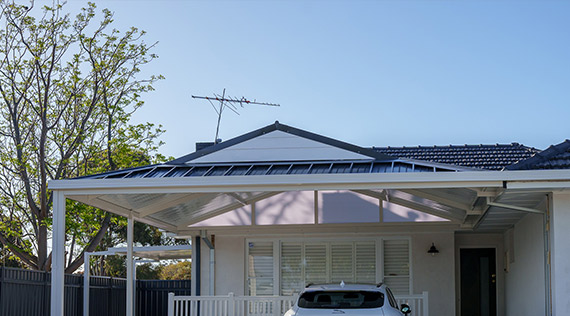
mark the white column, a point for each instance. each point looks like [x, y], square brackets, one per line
[58, 254]
[212, 271]
[86, 276]
[560, 253]
[135, 286]
[130, 296]
[193, 267]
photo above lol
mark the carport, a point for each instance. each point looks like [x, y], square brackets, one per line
[180, 195]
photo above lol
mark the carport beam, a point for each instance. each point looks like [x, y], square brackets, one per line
[513, 207]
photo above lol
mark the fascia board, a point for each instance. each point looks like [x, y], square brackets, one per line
[539, 185]
[306, 182]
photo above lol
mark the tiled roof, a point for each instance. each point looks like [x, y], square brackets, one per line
[490, 157]
[554, 157]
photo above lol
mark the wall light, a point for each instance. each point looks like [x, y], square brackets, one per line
[432, 250]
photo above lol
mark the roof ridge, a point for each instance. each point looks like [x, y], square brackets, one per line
[541, 157]
[513, 144]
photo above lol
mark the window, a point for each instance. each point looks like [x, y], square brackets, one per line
[260, 268]
[391, 298]
[341, 299]
[285, 267]
[397, 265]
[291, 267]
[326, 262]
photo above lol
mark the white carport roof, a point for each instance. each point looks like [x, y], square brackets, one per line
[484, 200]
[279, 158]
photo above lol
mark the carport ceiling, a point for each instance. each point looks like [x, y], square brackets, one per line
[175, 209]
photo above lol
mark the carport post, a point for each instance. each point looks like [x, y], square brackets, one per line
[130, 296]
[195, 268]
[58, 254]
[86, 276]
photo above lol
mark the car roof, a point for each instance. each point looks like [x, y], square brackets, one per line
[344, 287]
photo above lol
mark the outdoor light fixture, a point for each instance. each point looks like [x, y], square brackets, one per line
[432, 250]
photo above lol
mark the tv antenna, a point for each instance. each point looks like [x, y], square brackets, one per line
[228, 102]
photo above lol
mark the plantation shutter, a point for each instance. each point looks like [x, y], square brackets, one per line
[291, 268]
[342, 263]
[315, 263]
[260, 268]
[365, 264]
[397, 266]
[302, 263]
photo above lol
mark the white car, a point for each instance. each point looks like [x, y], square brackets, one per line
[347, 300]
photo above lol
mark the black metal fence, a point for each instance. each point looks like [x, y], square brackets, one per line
[27, 292]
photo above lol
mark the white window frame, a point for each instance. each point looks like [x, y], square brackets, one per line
[276, 257]
[379, 241]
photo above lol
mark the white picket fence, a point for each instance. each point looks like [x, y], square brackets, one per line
[232, 305]
[419, 303]
[229, 305]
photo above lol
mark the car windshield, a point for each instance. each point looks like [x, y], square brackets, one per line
[341, 299]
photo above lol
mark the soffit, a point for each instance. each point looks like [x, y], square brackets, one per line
[500, 219]
[178, 212]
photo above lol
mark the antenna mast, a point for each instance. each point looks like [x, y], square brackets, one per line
[228, 102]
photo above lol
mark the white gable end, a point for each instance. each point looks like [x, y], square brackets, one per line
[279, 146]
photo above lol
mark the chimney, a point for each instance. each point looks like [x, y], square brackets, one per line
[203, 145]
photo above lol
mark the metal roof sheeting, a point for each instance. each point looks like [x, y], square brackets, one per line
[281, 168]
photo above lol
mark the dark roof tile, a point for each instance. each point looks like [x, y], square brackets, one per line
[491, 157]
[554, 157]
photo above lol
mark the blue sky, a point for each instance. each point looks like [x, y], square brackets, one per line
[372, 73]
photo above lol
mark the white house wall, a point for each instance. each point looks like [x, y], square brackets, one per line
[295, 207]
[560, 250]
[433, 274]
[394, 213]
[347, 207]
[238, 217]
[525, 255]
[230, 265]
[298, 207]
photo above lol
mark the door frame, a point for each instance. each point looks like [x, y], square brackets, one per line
[471, 241]
[496, 268]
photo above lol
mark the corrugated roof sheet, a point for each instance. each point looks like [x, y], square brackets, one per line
[169, 170]
[490, 157]
[554, 157]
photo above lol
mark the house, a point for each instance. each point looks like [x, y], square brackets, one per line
[480, 230]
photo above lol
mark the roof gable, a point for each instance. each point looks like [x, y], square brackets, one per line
[279, 146]
[279, 149]
[279, 142]
[554, 157]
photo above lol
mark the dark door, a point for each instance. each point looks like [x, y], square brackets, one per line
[478, 282]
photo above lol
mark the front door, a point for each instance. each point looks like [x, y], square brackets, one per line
[478, 282]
